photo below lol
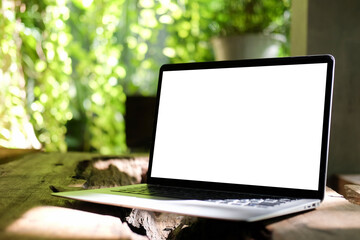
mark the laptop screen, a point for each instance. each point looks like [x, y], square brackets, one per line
[254, 125]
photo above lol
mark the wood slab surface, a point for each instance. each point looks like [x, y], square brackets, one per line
[28, 211]
[336, 218]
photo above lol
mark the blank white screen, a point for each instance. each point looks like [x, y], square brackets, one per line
[254, 125]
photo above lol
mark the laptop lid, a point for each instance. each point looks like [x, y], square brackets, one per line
[256, 126]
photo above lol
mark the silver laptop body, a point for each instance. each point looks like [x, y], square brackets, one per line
[241, 140]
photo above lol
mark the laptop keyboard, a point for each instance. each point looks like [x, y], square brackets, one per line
[218, 197]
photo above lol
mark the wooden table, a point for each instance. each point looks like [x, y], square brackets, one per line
[344, 179]
[28, 211]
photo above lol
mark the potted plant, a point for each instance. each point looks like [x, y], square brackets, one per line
[248, 28]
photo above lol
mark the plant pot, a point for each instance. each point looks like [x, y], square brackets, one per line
[246, 46]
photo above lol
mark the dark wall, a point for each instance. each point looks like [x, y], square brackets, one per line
[334, 27]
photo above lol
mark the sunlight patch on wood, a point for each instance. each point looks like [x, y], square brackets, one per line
[57, 222]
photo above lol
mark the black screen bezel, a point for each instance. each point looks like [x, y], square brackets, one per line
[274, 191]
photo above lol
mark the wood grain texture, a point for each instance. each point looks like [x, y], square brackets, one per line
[25, 185]
[352, 193]
[344, 179]
[336, 218]
[65, 223]
[156, 225]
[28, 211]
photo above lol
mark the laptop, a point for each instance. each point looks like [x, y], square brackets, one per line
[242, 140]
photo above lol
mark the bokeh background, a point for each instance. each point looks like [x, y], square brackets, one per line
[67, 67]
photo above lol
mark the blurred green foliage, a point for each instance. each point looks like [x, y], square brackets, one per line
[67, 65]
[234, 17]
[39, 70]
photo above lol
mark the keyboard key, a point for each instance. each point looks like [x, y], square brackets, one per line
[218, 197]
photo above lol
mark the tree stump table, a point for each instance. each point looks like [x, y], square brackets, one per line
[28, 211]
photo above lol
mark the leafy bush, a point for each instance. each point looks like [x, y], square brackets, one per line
[66, 66]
